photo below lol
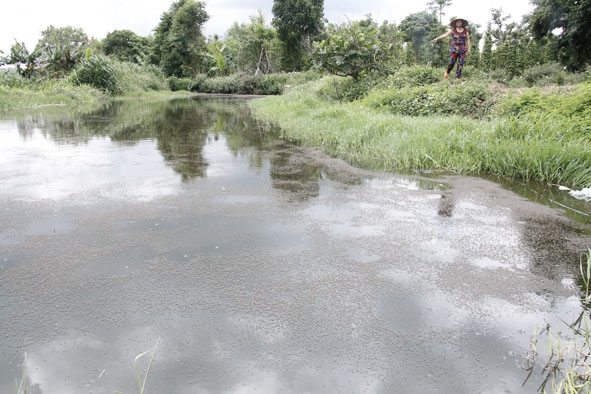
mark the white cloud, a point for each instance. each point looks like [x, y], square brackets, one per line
[24, 21]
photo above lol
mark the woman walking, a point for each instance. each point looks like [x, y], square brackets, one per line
[460, 45]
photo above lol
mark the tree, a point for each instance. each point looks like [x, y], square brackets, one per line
[126, 46]
[572, 18]
[419, 29]
[437, 6]
[486, 61]
[25, 61]
[499, 28]
[356, 48]
[179, 44]
[61, 49]
[255, 46]
[297, 22]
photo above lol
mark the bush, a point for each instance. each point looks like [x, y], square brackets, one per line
[196, 84]
[409, 76]
[347, 89]
[114, 77]
[10, 79]
[298, 78]
[175, 84]
[545, 74]
[465, 99]
[573, 104]
[99, 72]
[269, 84]
[137, 78]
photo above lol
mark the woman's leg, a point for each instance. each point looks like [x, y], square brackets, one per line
[452, 62]
[461, 61]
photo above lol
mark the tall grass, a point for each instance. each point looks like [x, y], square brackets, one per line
[115, 78]
[17, 92]
[533, 146]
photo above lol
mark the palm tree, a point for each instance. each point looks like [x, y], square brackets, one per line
[437, 6]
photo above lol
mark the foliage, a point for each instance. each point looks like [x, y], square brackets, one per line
[114, 78]
[26, 62]
[545, 74]
[175, 84]
[98, 72]
[573, 19]
[437, 6]
[270, 84]
[17, 92]
[218, 59]
[419, 29]
[126, 46]
[356, 48]
[254, 46]
[412, 76]
[298, 23]
[464, 99]
[574, 106]
[533, 146]
[500, 28]
[178, 42]
[137, 78]
[61, 49]
[348, 89]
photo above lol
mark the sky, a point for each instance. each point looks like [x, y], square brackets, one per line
[24, 20]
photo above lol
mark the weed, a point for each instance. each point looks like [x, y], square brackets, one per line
[142, 381]
[21, 386]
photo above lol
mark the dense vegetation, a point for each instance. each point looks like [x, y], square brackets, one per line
[374, 93]
[413, 121]
[299, 39]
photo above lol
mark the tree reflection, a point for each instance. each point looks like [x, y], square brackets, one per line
[182, 128]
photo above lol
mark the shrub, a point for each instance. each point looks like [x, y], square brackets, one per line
[269, 84]
[196, 84]
[409, 76]
[175, 83]
[544, 74]
[137, 78]
[114, 77]
[99, 72]
[348, 89]
[465, 99]
[10, 79]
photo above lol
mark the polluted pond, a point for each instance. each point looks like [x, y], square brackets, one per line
[254, 264]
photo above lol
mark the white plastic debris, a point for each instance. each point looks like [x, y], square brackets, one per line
[583, 194]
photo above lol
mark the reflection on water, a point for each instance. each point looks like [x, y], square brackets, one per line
[182, 128]
[262, 265]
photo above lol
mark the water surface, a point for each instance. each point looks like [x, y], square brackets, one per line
[261, 266]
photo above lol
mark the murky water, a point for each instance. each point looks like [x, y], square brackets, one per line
[262, 266]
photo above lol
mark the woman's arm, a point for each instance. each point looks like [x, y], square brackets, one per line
[447, 34]
[468, 43]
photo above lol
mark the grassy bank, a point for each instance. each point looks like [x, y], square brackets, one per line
[396, 127]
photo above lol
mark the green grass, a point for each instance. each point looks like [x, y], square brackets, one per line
[534, 146]
[31, 94]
